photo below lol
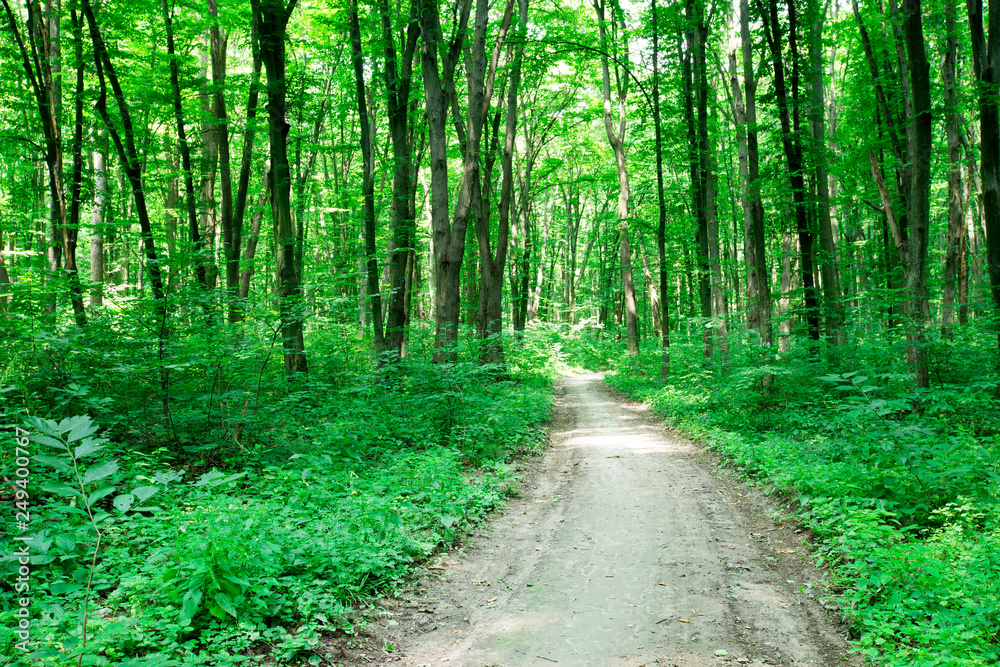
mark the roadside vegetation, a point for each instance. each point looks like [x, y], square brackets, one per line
[899, 486]
[260, 521]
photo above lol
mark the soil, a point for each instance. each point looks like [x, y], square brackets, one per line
[627, 545]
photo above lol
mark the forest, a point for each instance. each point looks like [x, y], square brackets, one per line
[285, 288]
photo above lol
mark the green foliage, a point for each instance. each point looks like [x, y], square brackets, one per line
[340, 486]
[900, 487]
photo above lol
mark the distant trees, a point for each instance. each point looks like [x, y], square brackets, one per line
[550, 156]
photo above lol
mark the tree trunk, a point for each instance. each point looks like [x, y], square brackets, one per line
[272, 20]
[792, 143]
[832, 296]
[489, 320]
[661, 230]
[919, 137]
[449, 235]
[237, 305]
[954, 245]
[367, 183]
[398, 77]
[616, 139]
[758, 284]
[97, 263]
[986, 62]
[185, 150]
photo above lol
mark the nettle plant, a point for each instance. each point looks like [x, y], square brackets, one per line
[889, 434]
[89, 476]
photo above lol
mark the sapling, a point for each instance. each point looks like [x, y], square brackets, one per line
[72, 441]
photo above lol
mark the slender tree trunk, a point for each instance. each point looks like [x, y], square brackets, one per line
[398, 77]
[185, 150]
[272, 20]
[218, 131]
[367, 183]
[956, 222]
[789, 112]
[832, 296]
[919, 137]
[986, 63]
[661, 230]
[97, 264]
[449, 234]
[754, 248]
[616, 139]
[237, 305]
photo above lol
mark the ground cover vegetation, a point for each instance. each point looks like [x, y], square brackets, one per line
[283, 286]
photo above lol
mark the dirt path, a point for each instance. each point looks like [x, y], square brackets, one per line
[623, 550]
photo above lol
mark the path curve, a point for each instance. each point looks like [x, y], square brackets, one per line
[623, 550]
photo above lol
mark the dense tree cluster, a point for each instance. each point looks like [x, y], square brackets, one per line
[820, 168]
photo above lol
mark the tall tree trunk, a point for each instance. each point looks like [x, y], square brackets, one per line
[919, 137]
[758, 283]
[398, 74]
[236, 305]
[954, 246]
[218, 133]
[661, 229]
[132, 166]
[272, 20]
[449, 234]
[616, 139]
[97, 263]
[489, 320]
[688, 57]
[789, 112]
[43, 68]
[832, 297]
[185, 150]
[986, 63]
[367, 183]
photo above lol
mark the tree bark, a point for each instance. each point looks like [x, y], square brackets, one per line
[954, 245]
[832, 296]
[616, 139]
[185, 150]
[754, 248]
[367, 184]
[489, 320]
[789, 113]
[449, 235]
[272, 20]
[661, 230]
[919, 137]
[986, 64]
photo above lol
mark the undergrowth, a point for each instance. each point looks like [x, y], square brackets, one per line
[281, 508]
[899, 487]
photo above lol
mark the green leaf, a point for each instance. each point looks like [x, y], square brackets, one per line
[123, 503]
[831, 378]
[100, 493]
[54, 461]
[100, 471]
[49, 441]
[143, 493]
[87, 447]
[62, 490]
[226, 603]
[66, 542]
[215, 478]
[80, 427]
[192, 600]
